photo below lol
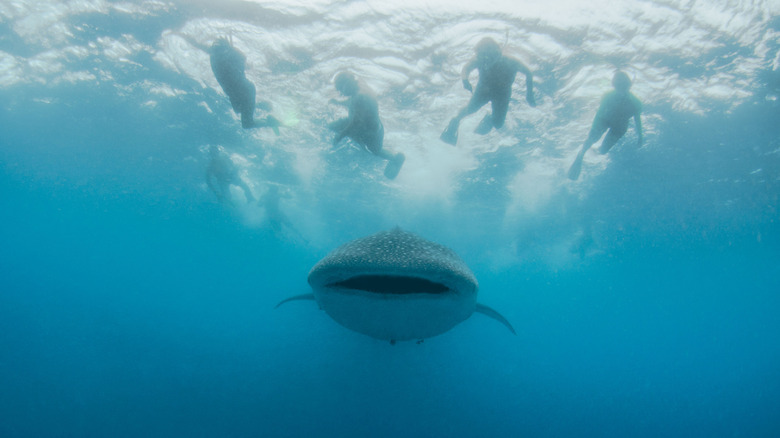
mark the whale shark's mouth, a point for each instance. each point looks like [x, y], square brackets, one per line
[391, 284]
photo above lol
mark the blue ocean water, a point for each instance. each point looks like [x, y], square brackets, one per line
[644, 295]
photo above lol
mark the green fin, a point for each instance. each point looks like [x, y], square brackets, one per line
[296, 298]
[485, 310]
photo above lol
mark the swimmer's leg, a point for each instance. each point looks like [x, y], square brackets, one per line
[613, 135]
[247, 119]
[245, 103]
[394, 160]
[596, 131]
[478, 100]
[485, 125]
[223, 192]
[496, 118]
[247, 191]
[500, 107]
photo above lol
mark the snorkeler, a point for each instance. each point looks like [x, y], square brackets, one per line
[228, 65]
[616, 108]
[362, 123]
[496, 75]
[277, 220]
[222, 173]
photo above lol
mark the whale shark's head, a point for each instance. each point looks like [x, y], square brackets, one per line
[392, 263]
[395, 285]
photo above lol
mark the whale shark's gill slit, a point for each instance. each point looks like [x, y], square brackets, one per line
[390, 284]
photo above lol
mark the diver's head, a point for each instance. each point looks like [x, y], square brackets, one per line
[621, 81]
[488, 51]
[346, 83]
[220, 45]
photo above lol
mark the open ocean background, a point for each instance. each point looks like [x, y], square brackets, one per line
[133, 304]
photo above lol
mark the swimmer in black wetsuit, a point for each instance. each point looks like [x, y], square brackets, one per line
[616, 109]
[496, 76]
[228, 65]
[362, 123]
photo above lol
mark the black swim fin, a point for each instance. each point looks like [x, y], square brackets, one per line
[273, 123]
[576, 167]
[485, 125]
[394, 165]
[450, 135]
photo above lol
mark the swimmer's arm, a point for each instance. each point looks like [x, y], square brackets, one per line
[347, 126]
[464, 74]
[343, 133]
[198, 45]
[350, 119]
[529, 81]
[362, 107]
[344, 103]
[638, 121]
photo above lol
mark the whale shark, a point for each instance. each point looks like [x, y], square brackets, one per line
[395, 286]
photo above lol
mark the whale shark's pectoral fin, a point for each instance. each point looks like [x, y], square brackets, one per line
[296, 298]
[485, 310]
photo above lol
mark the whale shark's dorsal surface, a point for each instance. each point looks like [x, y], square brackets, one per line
[396, 286]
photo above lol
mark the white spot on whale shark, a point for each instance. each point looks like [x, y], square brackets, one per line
[395, 286]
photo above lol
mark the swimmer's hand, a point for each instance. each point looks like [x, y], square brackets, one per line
[467, 85]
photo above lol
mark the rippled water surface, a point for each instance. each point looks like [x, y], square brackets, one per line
[644, 294]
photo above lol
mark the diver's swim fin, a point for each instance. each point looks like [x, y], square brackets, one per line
[576, 167]
[273, 123]
[450, 135]
[485, 125]
[394, 165]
